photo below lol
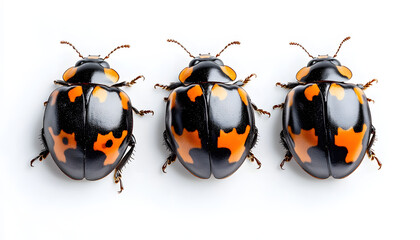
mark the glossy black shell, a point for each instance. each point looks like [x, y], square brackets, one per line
[210, 123]
[326, 126]
[87, 127]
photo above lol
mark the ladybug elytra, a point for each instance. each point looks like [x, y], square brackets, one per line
[327, 125]
[88, 121]
[210, 125]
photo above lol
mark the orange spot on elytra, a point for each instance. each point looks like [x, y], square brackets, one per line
[69, 73]
[243, 96]
[302, 73]
[124, 100]
[234, 142]
[290, 96]
[337, 91]
[345, 71]
[75, 92]
[359, 94]
[350, 140]
[229, 71]
[109, 145]
[100, 93]
[185, 73]
[311, 91]
[62, 142]
[219, 92]
[194, 92]
[186, 141]
[111, 74]
[172, 99]
[303, 141]
[53, 97]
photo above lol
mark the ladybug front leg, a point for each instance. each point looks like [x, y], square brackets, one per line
[44, 153]
[289, 85]
[247, 79]
[169, 87]
[128, 84]
[124, 161]
[172, 156]
[370, 83]
[369, 150]
[62, 83]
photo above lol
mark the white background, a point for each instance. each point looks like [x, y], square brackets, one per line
[42, 203]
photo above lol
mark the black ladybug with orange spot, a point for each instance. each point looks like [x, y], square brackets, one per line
[88, 121]
[210, 125]
[327, 125]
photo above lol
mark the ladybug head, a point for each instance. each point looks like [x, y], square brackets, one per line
[323, 68]
[91, 69]
[206, 68]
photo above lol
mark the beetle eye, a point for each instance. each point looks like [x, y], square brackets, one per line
[218, 62]
[104, 64]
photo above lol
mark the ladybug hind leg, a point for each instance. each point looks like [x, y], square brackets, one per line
[124, 161]
[369, 150]
[172, 156]
[44, 153]
[250, 155]
[288, 155]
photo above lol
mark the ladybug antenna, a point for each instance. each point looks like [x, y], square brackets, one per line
[345, 39]
[115, 49]
[297, 44]
[65, 42]
[174, 41]
[232, 43]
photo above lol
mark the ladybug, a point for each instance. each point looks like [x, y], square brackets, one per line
[88, 121]
[327, 125]
[210, 124]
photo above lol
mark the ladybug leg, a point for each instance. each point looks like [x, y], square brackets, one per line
[364, 87]
[252, 158]
[128, 84]
[289, 85]
[142, 112]
[172, 156]
[288, 155]
[370, 100]
[250, 155]
[164, 87]
[62, 83]
[369, 150]
[42, 155]
[247, 79]
[169, 161]
[287, 158]
[123, 162]
[260, 111]
[281, 106]
[168, 87]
